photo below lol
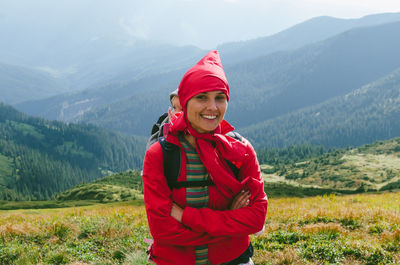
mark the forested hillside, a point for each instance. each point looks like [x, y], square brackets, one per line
[367, 114]
[39, 158]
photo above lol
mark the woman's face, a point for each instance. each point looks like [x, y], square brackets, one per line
[205, 111]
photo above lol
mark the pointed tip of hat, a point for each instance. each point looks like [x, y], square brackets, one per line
[212, 57]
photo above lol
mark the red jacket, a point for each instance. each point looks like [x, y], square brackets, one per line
[226, 232]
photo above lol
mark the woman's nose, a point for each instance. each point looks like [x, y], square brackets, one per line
[212, 104]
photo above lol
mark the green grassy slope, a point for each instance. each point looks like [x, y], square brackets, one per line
[372, 167]
[116, 187]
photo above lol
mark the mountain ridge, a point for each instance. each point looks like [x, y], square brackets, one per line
[310, 31]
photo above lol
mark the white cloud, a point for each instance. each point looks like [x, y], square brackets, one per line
[135, 27]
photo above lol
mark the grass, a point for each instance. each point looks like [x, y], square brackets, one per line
[15, 205]
[97, 234]
[351, 229]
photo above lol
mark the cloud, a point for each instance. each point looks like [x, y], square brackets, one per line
[135, 27]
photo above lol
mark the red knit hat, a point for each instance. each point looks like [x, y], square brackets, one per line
[206, 75]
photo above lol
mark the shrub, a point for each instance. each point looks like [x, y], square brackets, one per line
[378, 257]
[375, 229]
[324, 251]
[119, 255]
[350, 223]
[58, 258]
[60, 230]
[284, 237]
[8, 255]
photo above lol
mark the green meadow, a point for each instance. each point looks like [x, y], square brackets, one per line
[350, 229]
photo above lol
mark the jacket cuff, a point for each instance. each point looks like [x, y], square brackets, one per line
[188, 217]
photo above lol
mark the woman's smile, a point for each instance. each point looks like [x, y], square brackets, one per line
[209, 117]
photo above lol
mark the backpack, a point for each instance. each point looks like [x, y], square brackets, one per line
[157, 130]
[172, 165]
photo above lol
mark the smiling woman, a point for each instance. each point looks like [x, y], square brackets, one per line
[220, 200]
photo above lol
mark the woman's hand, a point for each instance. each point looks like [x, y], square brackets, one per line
[240, 200]
[176, 212]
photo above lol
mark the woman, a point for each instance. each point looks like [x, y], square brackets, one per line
[208, 224]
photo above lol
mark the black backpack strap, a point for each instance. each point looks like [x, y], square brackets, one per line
[235, 169]
[172, 167]
[172, 161]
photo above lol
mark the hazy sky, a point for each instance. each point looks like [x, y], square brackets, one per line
[203, 23]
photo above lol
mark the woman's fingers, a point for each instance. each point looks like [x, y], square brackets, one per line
[169, 113]
[244, 199]
[176, 212]
[240, 200]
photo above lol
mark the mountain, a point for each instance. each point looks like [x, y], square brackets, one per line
[82, 48]
[308, 32]
[84, 54]
[103, 63]
[277, 84]
[39, 158]
[73, 106]
[146, 70]
[18, 84]
[115, 64]
[283, 82]
[262, 88]
[362, 116]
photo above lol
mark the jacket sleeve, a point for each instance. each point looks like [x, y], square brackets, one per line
[158, 201]
[244, 221]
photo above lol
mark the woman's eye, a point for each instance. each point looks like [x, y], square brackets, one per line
[220, 97]
[202, 97]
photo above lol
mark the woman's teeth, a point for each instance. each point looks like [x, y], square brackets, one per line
[209, 117]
